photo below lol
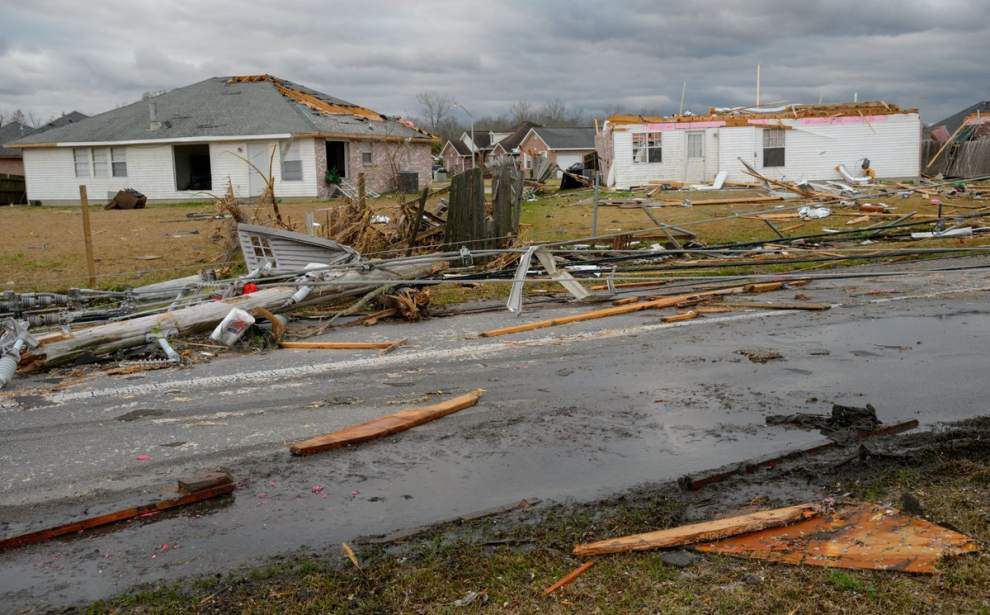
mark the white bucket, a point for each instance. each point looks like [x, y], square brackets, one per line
[232, 327]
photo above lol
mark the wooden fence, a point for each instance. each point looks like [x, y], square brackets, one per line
[12, 189]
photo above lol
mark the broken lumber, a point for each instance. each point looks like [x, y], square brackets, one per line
[386, 425]
[681, 317]
[856, 536]
[569, 577]
[814, 307]
[661, 302]
[699, 532]
[221, 488]
[730, 200]
[339, 345]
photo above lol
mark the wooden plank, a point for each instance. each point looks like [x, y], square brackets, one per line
[386, 425]
[569, 577]
[114, 517]
[730, 200]
[337, 345]
[661, 302]
[814, 307]
[699, 532]
[681, 317]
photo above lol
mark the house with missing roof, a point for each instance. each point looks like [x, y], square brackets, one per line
[187, 143]
[561, 146]
[793, 143]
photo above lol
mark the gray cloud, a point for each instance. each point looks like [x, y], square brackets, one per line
[59, 55]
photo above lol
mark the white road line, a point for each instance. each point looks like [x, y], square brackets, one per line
[265, 377]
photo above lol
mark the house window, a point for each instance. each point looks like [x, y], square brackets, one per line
[80, 156]
[646, 147]
[291, 162]
[696, 145]
[100, 162]
[366, 158]
[773, 147]
[118, 161]
[262, 249]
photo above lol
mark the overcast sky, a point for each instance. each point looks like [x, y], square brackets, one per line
[62, 55]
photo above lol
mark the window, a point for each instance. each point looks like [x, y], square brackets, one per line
[118, 158]
[262, 249]
[646, 147]
[80, 156]
[696, 145]
[291, 162]
[366, 158]
[100, 162]
[773, 147]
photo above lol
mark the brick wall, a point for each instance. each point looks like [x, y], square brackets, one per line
[11, 166]
[386, 158]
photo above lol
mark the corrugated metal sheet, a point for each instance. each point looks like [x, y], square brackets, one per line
[289, 251]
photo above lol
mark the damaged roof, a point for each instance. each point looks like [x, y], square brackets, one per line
[740, 115]
[567, 138]
[230, 107]
[954, 121]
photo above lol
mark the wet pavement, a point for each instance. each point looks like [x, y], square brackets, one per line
[573, 412]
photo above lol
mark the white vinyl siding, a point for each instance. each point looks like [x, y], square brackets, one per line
[150, 170]
[892, 144]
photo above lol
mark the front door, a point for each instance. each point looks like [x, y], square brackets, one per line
[260, 156]
[694, 168]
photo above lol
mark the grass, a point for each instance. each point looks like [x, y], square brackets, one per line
[437, 569]
[160, 242]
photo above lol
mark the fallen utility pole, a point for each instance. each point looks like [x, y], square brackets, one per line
[215, 487]
[386, 425]
[113, 336]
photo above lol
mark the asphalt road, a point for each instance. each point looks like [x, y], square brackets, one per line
[572, 412]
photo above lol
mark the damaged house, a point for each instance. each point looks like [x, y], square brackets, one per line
[959, 145]
[182, 144]
[792, 142]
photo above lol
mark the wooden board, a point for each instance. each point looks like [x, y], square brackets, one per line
[699, 532]
[863, 536]
[114, 517]
[386, 425]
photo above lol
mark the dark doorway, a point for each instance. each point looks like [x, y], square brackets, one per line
[337, 157]
[192, 167]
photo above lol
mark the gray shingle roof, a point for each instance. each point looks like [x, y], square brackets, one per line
[8, 134]
[460, 147]
[954, 121]
[222, 108]
[567, 138]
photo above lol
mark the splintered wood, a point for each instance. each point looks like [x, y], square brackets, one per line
[861, 536]
[699, 532]
[386, 425]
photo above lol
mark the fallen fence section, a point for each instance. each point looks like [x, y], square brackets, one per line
[386, 425]
[216, 485]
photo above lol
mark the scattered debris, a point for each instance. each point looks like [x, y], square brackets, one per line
[570, 577]
[760, 356]
[843, 424]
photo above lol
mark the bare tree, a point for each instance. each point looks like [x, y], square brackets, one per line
[436, 108]
[553, 113]
[521, 111]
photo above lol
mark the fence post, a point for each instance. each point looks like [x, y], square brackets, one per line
[87, 236]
